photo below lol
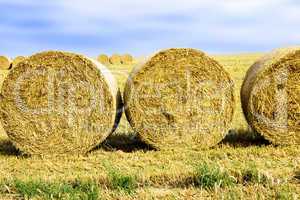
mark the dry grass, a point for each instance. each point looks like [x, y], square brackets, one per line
[173, 99]
[57, 102]
[270, 96]
[166, 174]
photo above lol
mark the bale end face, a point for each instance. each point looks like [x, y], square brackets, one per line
[271, 94]
[180, 98]
[59, 103]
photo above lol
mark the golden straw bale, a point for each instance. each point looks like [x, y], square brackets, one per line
[270, 96]
[115, 59]
[104, 59]
[5, 62]
[180, 98]
[16, 60]
[59, 103]
[126, 59]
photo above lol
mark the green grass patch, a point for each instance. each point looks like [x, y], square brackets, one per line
[211, 176]
[45, 190]
[252, 175]
[285, 193]
[122, 182]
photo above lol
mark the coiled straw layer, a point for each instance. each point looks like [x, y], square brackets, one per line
[271, 94]
[59, 103]
[179, 98]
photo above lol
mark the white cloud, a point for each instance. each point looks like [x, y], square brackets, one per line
[262, 24]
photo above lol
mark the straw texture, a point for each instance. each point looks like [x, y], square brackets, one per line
[59, 103]
[270, 96]
[179, 98]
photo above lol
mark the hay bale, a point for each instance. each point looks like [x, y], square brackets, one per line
[59, 103]
[115, 59]
[179, 98]
[16, 60]
[126, 59]
[270, 96]
[5, 62]
[104, 59]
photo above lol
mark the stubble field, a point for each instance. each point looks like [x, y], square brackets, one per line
[242, 166]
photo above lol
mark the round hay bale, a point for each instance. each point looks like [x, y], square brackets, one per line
[115, 59]
[126, 59]
[179, 98]
[270, 96]
[16, 60]
[59, 103]
[104, 59]
[5, 62]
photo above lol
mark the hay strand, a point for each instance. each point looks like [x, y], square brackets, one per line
[179, 98]
[270, 96]
[59, 103]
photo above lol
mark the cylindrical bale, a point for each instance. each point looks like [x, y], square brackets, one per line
[126, 59]
[16, 60]
[115, 59]
[5, 62]
[180, 98]
[104, 59]
[270, 96]
[59, 103]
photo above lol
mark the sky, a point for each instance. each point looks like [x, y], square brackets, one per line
[141, 27]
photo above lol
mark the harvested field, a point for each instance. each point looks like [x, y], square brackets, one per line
[123, 167]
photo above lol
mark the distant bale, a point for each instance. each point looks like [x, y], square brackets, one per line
[180, 98]
[115, 59]
[5, 63]
[126, 59]
[16, 60]
[270, 96]
[59, 103]
[104, 59]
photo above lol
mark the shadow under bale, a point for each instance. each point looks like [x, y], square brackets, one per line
[124, 142]
[8, 149]
[244, 138]
[297, 176]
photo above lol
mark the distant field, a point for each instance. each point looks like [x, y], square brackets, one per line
[242, 166]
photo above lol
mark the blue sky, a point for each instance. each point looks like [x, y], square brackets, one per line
[141, 27]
